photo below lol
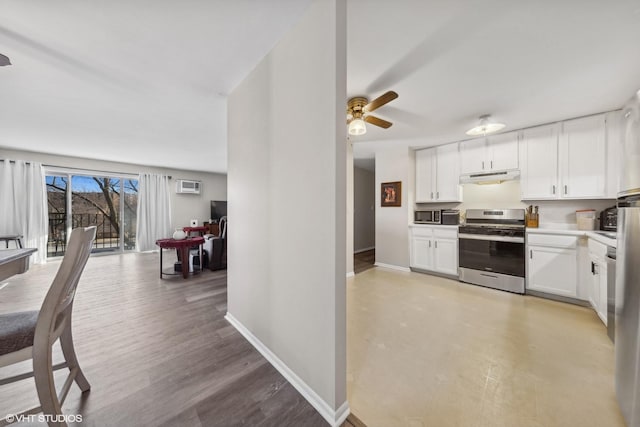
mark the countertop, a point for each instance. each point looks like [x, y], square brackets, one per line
[591, 234]
[434, 226]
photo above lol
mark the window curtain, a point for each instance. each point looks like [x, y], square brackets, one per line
[154, 211]
[23, 205]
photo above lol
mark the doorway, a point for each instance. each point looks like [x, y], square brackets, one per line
[364, 214]
[80, 200]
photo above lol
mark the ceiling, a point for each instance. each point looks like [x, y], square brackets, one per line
[146, 81]
[140, 81]
[523, 62]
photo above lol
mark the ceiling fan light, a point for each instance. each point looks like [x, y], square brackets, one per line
[357, 127]
[485, 126]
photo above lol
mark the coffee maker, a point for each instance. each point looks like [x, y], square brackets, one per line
[609, 219]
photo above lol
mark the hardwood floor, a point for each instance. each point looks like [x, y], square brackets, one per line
[156, 352]
[363, 261]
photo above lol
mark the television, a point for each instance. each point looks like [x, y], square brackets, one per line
[218, 209]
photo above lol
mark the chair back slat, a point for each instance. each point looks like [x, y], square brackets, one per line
[59, 300]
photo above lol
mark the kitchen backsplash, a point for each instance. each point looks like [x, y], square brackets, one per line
[507, 196]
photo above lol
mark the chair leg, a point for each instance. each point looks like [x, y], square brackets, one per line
[45, 385]
[66, 342]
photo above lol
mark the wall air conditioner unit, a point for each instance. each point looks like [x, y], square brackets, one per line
[185, 186]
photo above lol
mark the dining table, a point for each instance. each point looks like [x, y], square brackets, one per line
[14, 261]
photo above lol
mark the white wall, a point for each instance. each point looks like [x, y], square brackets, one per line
[364, 209]
[392, 223]
[183, 206]
[287, 195]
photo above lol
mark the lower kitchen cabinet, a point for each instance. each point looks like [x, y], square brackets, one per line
[434, 248]
[552, 264]
[598, 276]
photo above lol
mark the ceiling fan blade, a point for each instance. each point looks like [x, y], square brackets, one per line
[380, 101]
[4, 60]
[377, 122]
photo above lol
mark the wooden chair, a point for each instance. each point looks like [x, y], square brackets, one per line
[31, 334]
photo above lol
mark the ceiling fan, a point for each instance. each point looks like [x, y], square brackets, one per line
[358, 110]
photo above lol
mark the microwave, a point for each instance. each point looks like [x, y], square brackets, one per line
[426, 217]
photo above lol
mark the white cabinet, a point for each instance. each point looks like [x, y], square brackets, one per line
[422, 252]
[565, 161]
[598, 278]
[446, 255]
[434, 248]
[583, 158]
[438, 175]
[552, 264]
[494, 153]
[472, 156]
[539, 162]
[425, 175]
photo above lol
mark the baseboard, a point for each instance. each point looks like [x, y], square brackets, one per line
[559, 298]
[393, 267]
[364, 250]
[350, 274]
[334, 418]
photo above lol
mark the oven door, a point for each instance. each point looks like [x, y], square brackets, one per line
[496, 254]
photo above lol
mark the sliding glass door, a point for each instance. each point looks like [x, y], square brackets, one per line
[81, 200]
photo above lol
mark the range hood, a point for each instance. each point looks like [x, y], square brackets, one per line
[490, 177]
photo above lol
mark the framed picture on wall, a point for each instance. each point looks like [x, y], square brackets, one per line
[390, 194]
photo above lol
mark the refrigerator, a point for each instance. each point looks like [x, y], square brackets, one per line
[627, 304]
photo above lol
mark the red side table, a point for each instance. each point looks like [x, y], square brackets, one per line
[183, 245]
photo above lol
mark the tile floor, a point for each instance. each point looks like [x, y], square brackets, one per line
[428, 351]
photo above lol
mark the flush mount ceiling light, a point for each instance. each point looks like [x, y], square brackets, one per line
[485, 126]
[357, 127]
[4, 60]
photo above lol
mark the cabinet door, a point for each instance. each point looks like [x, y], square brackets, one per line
[539, 163]
[583, 163]
[503, 151]
[594, 284]
[553, 270]
[425, 175]
[473, 156]
[446, 256]
[602, 303]
[448, 173]
[422, 253]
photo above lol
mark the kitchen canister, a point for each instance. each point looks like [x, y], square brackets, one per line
[586, 219]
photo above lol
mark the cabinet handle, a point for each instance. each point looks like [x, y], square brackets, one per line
[593, 268]
[491, 164]
[437, 195]
[483, 165]
[565, 189]
[530, 253]
[553, 189]
[436, 244]
[432, 195]
[429, 243]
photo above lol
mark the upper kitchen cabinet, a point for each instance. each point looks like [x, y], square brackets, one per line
[565, 161]
[539, 162]
[494, 153]
[583, 162]
[438, 175]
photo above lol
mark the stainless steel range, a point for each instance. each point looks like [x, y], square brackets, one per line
[491, 249]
